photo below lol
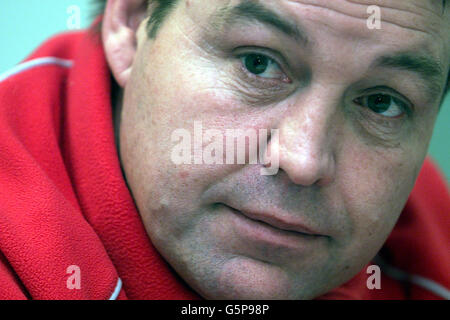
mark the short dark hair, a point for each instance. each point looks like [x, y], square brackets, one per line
[161, 10]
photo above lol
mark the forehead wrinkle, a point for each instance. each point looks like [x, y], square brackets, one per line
[403, 17]
[434, 6]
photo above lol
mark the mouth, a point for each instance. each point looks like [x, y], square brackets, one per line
[278, 223]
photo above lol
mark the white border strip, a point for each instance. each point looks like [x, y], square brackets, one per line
[36, 63]
[116, 290]
[401, 275]
[432, 286]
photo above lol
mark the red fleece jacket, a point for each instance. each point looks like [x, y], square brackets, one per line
[64, 201]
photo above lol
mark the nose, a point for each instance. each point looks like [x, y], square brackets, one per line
[306, 143]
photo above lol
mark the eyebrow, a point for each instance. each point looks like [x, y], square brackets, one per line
[427, 68]
[255, 11]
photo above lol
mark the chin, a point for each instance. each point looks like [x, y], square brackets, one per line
[243, 278]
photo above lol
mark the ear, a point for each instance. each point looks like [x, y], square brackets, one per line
[121, 21]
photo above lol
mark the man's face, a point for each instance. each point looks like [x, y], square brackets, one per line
[354, 108]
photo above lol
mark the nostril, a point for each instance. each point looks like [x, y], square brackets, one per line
[308, 169]
[303, 172]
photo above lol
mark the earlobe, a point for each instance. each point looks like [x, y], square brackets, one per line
[121, 21]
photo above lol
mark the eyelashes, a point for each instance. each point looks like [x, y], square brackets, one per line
[383, 104]
[263, 66]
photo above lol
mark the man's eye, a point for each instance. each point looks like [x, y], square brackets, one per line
[262, 66]
[383, 104]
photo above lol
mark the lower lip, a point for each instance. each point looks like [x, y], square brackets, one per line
[260, 232]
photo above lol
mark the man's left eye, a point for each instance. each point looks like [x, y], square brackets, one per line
[262, 66]
[383, 104]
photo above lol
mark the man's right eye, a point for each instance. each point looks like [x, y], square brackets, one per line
[383, 104]
[263, 66]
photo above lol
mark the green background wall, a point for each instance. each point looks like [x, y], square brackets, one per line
[24, 24]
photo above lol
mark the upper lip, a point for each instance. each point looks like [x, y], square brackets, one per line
[280, 221]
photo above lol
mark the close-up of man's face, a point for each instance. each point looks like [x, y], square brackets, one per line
[351, 110]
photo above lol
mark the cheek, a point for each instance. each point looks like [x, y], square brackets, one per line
[154, 107]
[375, 186]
